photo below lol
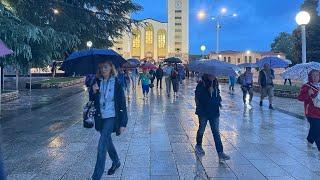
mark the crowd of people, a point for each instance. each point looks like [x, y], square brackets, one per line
[109, 90]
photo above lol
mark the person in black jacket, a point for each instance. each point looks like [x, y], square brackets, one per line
[265, 81]
[111, 116]
[208, 103]
[159, 76]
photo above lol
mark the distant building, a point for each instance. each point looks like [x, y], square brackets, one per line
[155, 40]
[239, 57]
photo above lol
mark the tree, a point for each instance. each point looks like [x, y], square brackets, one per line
[312, 33]
[94, 20]
[284, 43]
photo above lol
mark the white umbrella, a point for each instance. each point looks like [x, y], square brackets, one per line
[300, 71]
[274, 62]
[213, 67]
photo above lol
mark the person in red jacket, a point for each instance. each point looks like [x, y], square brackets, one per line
[309, 91]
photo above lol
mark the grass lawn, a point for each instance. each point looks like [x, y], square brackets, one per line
[57, 80]
[294, 89]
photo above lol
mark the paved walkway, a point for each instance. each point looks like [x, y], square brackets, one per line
[159, 142]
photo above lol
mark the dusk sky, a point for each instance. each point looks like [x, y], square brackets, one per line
[259, 21]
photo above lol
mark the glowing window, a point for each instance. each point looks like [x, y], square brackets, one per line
[149, 35]
[136, 39]
[161, 39]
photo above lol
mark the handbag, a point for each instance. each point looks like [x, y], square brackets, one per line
[316, 100]
[89, 112]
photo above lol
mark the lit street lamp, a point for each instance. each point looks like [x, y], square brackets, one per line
[89, 44]
[302, 19]
[55, 11]
[203, 49]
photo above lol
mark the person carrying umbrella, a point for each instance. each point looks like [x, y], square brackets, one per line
[159, 76]
[308, 93]
[175, 79]
[208, 103]
[246, 82]
[265, 80]
[167, 73]
[111, 116]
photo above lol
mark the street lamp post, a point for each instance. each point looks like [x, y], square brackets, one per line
[203, 48]
[302, 19]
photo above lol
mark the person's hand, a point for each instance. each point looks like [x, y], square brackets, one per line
[122, 129]
[310, 92]
[95, 88]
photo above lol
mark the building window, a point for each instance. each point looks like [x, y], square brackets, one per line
[225, 59]
[161, 39]
[239, 60]
[178, 11]
[177, 36]
[136, 42]
[149, 35]
[178, 24]
[178, 30]
[246, 59]
[178, 43]
[250, 59]
[178, 17]
[257, 59]
[229, 59]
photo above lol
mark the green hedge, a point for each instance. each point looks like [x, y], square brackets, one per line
[57, 80]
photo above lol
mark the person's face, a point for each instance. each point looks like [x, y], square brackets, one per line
[106, 70]
[266, 66]
[316, 76]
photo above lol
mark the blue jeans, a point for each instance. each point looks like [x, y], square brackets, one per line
[145, 89]
[214, 124]
[105, 144]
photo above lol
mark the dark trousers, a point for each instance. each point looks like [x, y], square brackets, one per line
[105, 144]
[159, 80]
[247, 90]
[285, 82]
[214, 124]
[314, 131]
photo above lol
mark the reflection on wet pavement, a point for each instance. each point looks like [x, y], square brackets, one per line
[159, 142]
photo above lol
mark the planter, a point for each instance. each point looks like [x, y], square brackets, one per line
[9, 96]
[55, 85]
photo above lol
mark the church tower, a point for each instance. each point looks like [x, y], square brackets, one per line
[178, 29]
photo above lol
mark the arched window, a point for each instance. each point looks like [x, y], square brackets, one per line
[136, 39]
[149, 35]
[229, 59]
[162, 39]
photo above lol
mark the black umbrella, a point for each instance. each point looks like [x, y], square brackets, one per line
[86, 61]
[134, 61]
[173, 60]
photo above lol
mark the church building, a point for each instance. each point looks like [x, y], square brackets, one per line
[156, 40]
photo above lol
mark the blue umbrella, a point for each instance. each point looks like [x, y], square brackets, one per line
[86, 61]
[245, 65]
[274, 62]
[134, 61]
[213, 67]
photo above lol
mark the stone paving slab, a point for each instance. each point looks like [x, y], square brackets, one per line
[159, 142]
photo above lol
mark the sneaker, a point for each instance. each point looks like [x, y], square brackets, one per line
[223, 157]
[260, 103]
[271, 107]
[199, 150]
[113, 168]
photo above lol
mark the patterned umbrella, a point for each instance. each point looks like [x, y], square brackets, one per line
[300, 71]
[4, 50]
[245, 65]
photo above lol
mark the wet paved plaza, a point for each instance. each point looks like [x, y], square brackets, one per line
[50, 142]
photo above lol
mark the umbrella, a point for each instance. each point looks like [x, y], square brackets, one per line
[4, 50]
[86, 61]
[213, 67]
[134, 62]
[245, 65]
[300, 71]
[274, 62]
[173, 60]
[148, 66]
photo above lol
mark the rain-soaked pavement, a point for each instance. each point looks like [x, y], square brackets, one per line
[50, 143]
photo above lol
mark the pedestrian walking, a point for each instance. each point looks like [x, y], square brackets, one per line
[265, 80]
[308, 93]
[232, 81]
[111, 116]
[159, 76]
[246, 82]
[175, 80]
[167, 73]
[152, 74]
[128, 79]
[134, 77]
[208, 103]
[144, 78]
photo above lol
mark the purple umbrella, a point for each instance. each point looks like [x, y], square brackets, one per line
[4, 50]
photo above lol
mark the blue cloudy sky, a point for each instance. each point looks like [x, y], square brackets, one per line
[259, 21]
